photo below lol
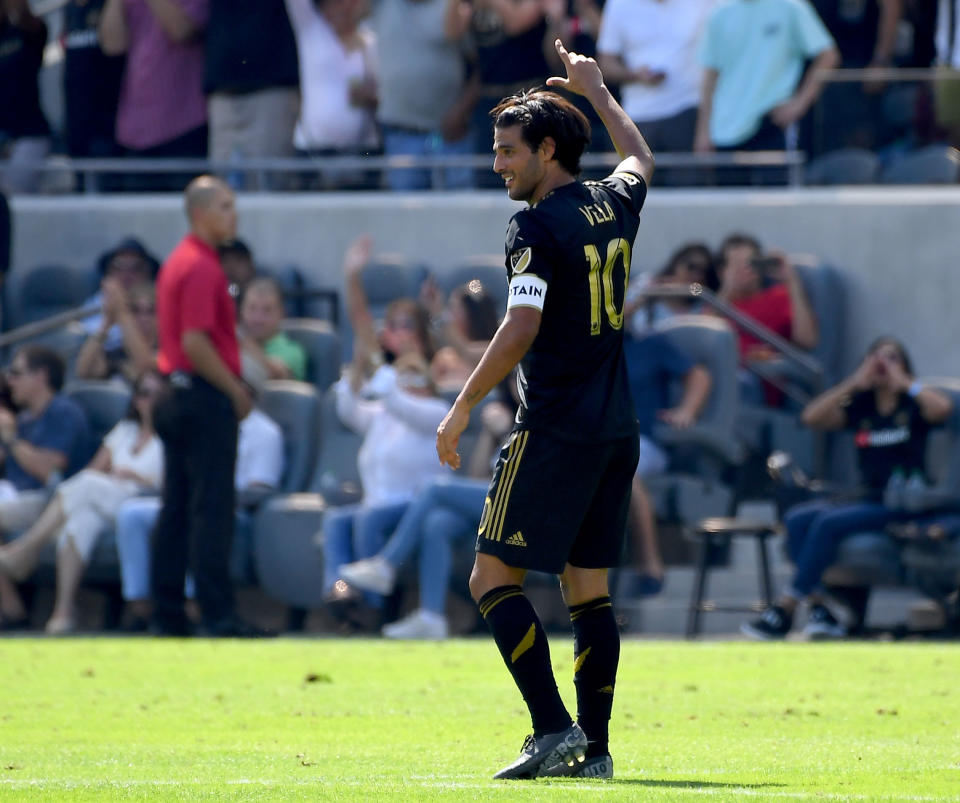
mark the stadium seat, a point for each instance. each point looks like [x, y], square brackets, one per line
[295, 406]
[489, 270]
[693, 488]
[287, 557]
[105, 403]
[44, 290]
[844, 166]
[388, 277]
[935, 164]
[322, 345]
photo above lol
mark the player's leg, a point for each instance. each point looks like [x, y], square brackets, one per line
[596, 636]
[524, 526]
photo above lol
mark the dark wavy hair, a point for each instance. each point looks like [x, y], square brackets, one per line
[887, 340]
[482, 318]
[541, 114]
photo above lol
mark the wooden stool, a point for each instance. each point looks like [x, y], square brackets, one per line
[718, 532]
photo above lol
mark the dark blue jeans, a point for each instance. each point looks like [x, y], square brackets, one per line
[815, 530]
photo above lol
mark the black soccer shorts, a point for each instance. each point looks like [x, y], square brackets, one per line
[552, 502]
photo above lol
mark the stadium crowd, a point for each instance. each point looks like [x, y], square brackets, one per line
[279, 78]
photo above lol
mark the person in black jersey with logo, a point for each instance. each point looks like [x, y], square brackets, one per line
[561, 488]
[890, 413]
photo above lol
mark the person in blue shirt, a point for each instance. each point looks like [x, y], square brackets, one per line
[653, 365]
[46, 440]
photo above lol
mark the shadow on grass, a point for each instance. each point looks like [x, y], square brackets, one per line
[678, 784]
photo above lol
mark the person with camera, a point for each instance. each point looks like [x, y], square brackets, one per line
[891, 413]
[769, 290]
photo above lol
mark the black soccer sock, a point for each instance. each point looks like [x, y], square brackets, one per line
[523, 644]
[596, 651]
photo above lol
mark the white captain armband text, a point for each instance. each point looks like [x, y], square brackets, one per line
[527, 290]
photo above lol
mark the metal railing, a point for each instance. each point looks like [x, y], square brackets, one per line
[259, 174]
[808, 366]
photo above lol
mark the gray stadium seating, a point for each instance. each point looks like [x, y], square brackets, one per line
[40, 291]
[935, 164]
[295, 406]
[322, 344]
[844, 166]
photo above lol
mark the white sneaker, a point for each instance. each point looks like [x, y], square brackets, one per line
[421, 625]
[370, 574]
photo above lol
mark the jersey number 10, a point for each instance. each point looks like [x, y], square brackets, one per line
[601, 275]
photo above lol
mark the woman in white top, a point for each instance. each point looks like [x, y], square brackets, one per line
[129, 462]
[397, 412]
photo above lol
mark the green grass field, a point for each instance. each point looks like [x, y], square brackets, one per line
[142, 719]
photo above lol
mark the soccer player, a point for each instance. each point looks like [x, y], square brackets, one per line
[560, 492]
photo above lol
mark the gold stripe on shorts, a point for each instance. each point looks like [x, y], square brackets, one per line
[506, 485]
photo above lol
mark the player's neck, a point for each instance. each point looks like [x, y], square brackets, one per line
[551, 181]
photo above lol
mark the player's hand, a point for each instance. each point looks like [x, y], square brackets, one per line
[583, 74]
[242, 400]
[448, 435]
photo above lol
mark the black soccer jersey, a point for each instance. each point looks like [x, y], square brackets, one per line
[569, 256]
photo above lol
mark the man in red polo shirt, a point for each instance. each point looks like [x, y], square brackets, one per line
[198, 420]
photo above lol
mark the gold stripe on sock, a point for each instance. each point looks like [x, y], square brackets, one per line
[504, 595]
[525, 644]
[580, 659]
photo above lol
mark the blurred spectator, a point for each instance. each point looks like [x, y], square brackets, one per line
[135, 312]
[891, 414]
[447, 511]
[91, 83]
[162, 110]
[577, 24]
[46, 440]
[649, 48]
[251, 80]
[770, 291]
[338, 81]
[423, 106]
[128, 265]
[24, 132]
[948, 58]
[754, 55]
[397, 412]
[237, 263]
[689, 264]
[653, 365]
[865, 33]
[6, 232]
[129, 462]
[508, 35]
[259, 469]
[267, 352]
[197, 420]
[468, 322]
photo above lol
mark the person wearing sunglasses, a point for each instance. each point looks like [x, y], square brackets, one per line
[129, 462]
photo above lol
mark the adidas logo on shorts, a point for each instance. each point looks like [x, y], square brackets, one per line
[516, 539]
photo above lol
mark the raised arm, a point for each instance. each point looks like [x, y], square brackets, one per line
[112, 29]
[584, 78]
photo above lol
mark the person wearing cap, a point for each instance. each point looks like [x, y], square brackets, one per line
[122, 268]
[197, 420]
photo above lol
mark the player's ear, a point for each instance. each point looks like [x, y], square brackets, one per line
[548, 147]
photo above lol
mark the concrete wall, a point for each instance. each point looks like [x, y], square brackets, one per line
[898, 248]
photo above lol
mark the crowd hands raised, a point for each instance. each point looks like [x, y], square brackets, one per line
[197, 78]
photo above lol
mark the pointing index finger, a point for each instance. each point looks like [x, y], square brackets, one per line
[562, 51]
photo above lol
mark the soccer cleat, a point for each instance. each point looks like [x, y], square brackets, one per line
[597, 767]
[419, 625]
[566, 747]
[370, 574]
[774, 623]
[821, 624]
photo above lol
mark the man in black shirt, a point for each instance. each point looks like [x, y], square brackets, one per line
[251, 80]
[24, 132]
[558, 500]
[91, 83]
